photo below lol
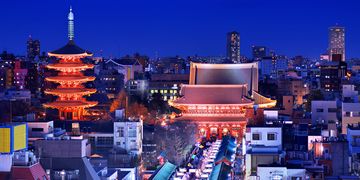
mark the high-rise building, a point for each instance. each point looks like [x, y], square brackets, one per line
[337, 43]
[331, 74]
[233, 46]
[19, 75]
[33, 48]
[258, 52]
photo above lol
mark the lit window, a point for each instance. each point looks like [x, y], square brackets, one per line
[271, 136]
[255, 136]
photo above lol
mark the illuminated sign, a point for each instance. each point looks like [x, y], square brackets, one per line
[13, 137]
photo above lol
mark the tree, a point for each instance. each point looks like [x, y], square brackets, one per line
[179, 149]
[119, 101]
[176, 139]
[158, 104]
[137, 110]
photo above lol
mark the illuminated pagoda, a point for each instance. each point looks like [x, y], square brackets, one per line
[70, 102]
[221, 97]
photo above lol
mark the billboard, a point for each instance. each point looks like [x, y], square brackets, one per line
[13, 137]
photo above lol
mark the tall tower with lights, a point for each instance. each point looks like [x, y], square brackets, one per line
[337, 43]
[233, 47]
[70, 103]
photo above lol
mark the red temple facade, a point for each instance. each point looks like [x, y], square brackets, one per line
[220, 97]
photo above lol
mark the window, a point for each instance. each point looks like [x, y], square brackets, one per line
[319, 110]
[332, 110]
[271, 136]
[347, 114]
[255, 136]
[121, 131]
[132, 132]
[105, 140]
[37, 129]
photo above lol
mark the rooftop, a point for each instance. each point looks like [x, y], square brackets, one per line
[214, 94]
[70, 49]
[164, 172]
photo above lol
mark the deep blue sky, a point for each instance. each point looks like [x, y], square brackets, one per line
[180, 27]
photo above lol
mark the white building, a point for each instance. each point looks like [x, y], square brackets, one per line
[350, 111]
[264, 136]
[353, 137]
[348, 91]
[263, 146]
[323, 112]
[128, 135]
[350, 115]
[279, 172]
[40, 130]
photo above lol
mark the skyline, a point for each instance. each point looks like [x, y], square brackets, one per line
[115, 28]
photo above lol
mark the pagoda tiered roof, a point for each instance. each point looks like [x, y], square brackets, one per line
[70, 49]
[81, 79]
[71, 104]
[70, 67]
[66, 91]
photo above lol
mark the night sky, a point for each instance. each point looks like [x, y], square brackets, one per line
[174, 27]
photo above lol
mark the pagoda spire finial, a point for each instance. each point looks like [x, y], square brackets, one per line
[71, 25]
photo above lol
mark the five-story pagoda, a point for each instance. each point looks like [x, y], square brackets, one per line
[70, 102]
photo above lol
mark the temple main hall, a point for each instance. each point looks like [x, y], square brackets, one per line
[221, 98]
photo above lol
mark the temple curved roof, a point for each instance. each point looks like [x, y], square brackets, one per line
[65, 91]
[70, 49]
[70, 66]
[71, 104]
[70, 78]
[214, 94]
